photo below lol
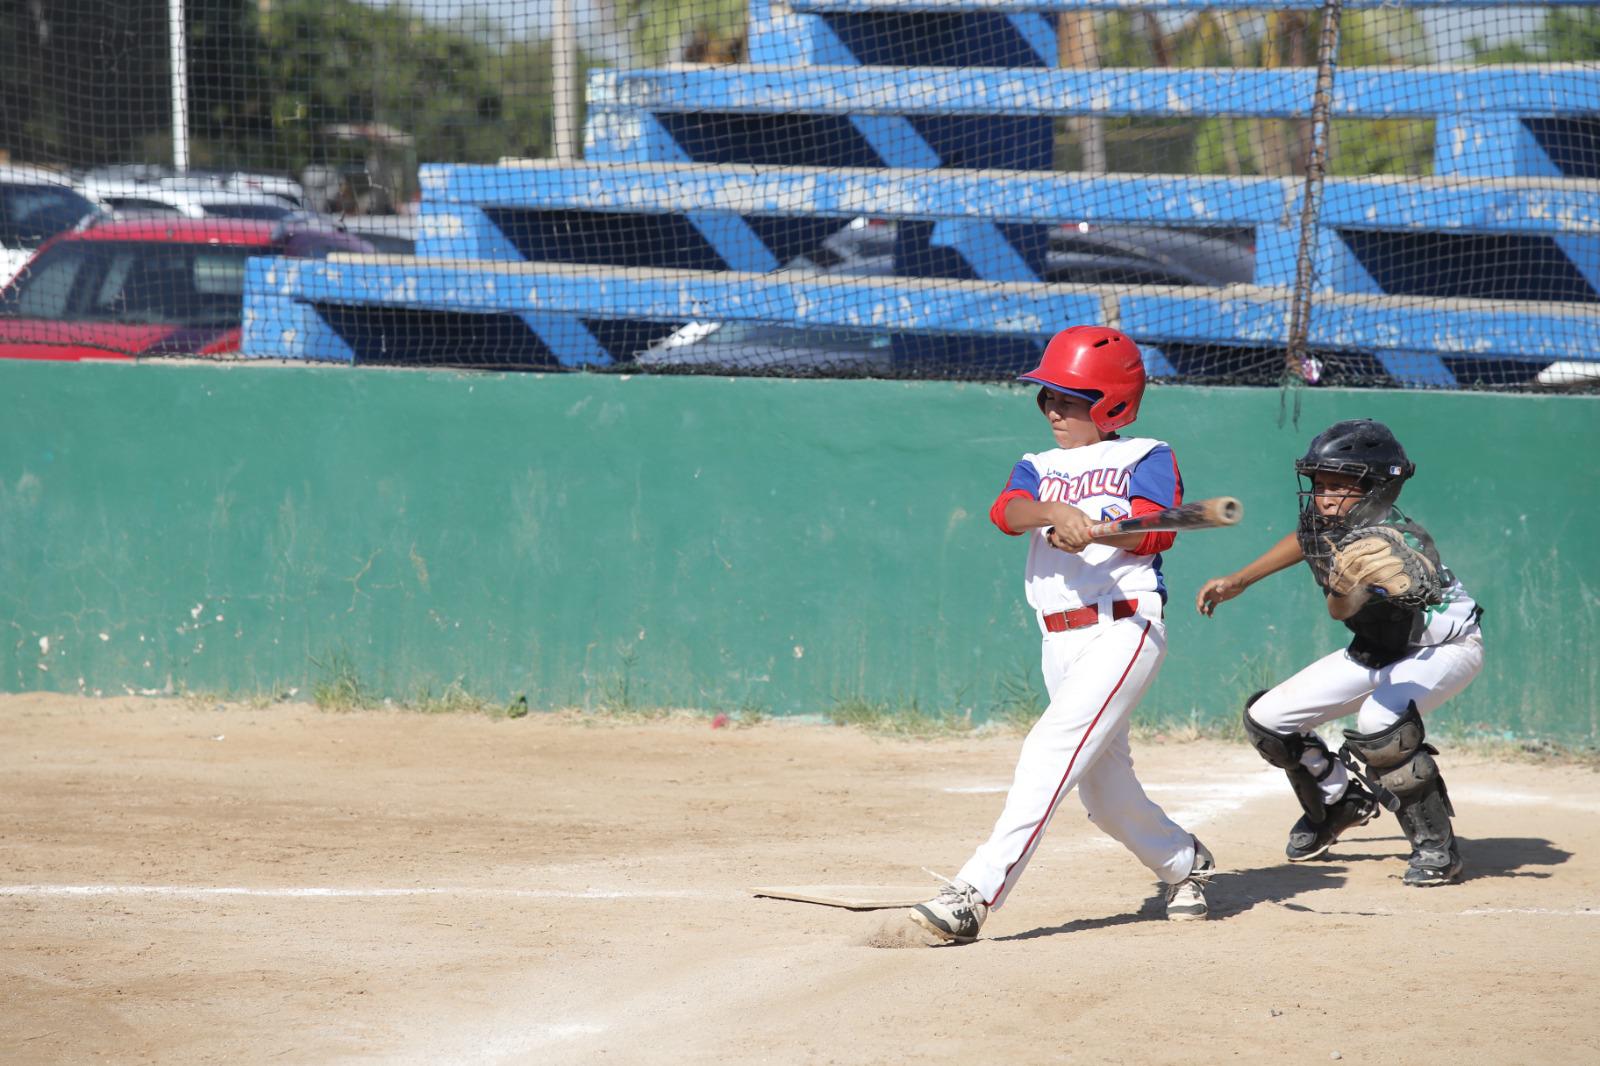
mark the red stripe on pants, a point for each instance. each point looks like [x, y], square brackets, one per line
[1056, 798]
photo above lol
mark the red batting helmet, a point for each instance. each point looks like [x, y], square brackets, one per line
[1098, 364]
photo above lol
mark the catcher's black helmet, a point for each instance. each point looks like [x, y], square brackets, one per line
[1358, 448]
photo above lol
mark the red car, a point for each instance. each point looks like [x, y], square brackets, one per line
[157, 286]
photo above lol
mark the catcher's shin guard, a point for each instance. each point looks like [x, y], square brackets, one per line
[1404, 765]
[1285, 750]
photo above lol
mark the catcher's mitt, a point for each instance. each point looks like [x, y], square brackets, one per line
[1378, 559]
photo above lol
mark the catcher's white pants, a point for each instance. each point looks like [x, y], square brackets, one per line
[1096, 677]
[1336, 685]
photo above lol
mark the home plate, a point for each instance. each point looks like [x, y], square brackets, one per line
[851, 897]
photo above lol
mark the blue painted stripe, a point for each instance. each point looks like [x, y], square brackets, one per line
[1424, 369]
[1394, 92]
[568, 339]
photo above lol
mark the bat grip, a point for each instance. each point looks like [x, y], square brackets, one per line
[1105, 529]
[1098, 531]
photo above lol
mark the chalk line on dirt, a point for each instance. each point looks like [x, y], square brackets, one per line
[313, 892]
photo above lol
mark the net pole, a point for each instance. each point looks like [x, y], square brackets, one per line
[563, 74]
[1077, 46]
[1299, 364]
[178, 67]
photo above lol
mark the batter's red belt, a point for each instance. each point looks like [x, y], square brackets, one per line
[1079, 617]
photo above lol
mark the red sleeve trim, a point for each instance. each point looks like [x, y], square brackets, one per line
[1153, 543]
[997, 512]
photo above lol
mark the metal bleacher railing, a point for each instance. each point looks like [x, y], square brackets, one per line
[937, 118]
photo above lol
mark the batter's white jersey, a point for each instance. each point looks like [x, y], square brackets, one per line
[1100, 480]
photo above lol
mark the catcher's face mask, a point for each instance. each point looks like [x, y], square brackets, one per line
[1335, 501]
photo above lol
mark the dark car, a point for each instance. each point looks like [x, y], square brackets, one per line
[1146, 255]
[146, 287]
[35, 205]
[1085, 255]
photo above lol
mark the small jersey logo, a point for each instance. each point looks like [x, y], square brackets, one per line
[1113, 512]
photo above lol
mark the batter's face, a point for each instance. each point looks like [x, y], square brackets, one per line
[1069, 420]
[1335, 494]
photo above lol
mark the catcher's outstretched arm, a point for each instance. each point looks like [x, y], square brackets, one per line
[1280, 556]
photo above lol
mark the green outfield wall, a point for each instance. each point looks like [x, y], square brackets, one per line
[712, 543]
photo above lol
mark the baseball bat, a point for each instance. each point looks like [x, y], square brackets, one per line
[1201, 514]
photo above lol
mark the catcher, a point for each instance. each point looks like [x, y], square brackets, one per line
[1416, 643]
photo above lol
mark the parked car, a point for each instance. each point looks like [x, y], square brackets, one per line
[35, 205]
[1088, 255]
[187, 196]
[249, 182]
[119, 289]
[861, 248]
[1146, 255]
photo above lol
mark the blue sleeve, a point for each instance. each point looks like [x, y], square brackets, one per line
[1156, 478]
[1024, 476]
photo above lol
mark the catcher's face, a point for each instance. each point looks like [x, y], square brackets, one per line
[1069, 419]
[1334, 494]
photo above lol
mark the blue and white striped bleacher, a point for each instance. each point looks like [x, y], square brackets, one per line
[699, 181]
[291, 295]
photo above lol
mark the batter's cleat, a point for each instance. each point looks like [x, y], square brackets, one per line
[1186, 900]
[1432, 866]
[1308, 840]
[955, 914]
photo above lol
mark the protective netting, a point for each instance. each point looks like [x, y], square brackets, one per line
[1357, 193]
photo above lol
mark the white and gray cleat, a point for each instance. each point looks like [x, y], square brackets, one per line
[1186, 900]
[955, 914]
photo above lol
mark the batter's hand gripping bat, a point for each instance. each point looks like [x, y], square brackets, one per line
[1201, 514]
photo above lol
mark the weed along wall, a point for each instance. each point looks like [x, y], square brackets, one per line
[724, 544]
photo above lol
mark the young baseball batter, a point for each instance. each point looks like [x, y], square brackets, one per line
[1416, 643]
[1099, 607]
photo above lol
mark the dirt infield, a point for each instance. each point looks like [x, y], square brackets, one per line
[181, 884]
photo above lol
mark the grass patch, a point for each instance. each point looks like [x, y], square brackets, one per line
[455, 699]
[1018, 704]
[1228, 729]
[885, 719]
[1527, 750]
[338, 686]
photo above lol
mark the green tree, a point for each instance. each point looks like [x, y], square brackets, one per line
[462, 92]
[1383, 37]
[81, 81]
[1564, 37]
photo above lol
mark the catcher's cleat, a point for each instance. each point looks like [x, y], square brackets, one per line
[1308, 840]
[1429, 867]
[1186, 900]
[955, 914]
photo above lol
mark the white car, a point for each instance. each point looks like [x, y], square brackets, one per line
[190, 197]
[35, 205]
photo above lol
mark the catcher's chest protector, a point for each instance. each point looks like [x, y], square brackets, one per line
[1383, 631]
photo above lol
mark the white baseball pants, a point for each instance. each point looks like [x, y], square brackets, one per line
[1336, 685]
[1095, 676]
